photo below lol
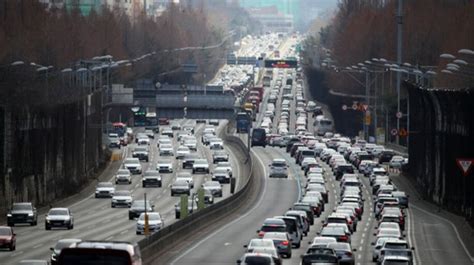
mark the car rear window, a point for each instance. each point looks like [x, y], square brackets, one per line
[273, 228]
[258, 261]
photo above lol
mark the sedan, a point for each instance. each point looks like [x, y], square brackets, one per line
[155, 222]
[282, 242]
[122, 198]
[151, 178]
[138, 207]
[60, 245]
[164, 166]
[214, 187]
[180, 186]
[182, 151]
[104, 189]
[123, 176]
[7, 238]
[343, 252]
[59, 217]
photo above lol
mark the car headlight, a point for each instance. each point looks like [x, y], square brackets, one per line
[30, 214]
[9, 215]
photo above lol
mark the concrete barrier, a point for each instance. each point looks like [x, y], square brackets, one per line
[170, 236]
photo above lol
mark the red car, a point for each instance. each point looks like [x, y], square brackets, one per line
[7, 238]
[163, 121]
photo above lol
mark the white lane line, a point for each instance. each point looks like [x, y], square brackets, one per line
[233, 222]
[123, 232]
[37, 246]
[362, 240]
[17, 253]
[411, 236]
[360, 249]
[452, 225]
[109, 238]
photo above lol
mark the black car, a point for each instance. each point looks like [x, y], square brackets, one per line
[22, 212]
[385, 156]
[340, 170]
[188, 161]
[138, 207]
[307, 208]
[259, 137]
[326, 259]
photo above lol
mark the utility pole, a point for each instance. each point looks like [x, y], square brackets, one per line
[399, 58]
[367, 91]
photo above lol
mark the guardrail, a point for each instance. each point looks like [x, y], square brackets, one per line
[156, 244]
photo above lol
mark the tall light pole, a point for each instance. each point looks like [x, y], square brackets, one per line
[399, 58]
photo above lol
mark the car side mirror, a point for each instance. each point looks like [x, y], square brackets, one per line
[14, 234]
[52, 249]
[239, 261]
[375, 234]
[412, 248]
[372, 243]
[245, 246]
[258, 231]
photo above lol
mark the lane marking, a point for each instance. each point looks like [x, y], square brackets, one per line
[453, 227]
[235, 220]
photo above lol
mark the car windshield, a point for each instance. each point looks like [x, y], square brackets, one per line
[131, 160]
[21, 207]
[212, 184]
[140, 149]
[58, 212]
[105, 185]
[164, 162]
[200, 162]
[220, 170]
[279, 163]
[180, 182]
[260, 243]
[122, 193]
[273, 228]
[395, 262]
[5, 231]
[62, 244]
[278, 236]
[123, 172]
[151, 173]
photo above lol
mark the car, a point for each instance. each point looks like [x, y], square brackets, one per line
[189, 128]
[191, 143]
[396, 260]
[138, 207]
[141, 152]
[293, 229]
[256, 258]
[22, 212]
[150, 133]
[200, 166]
[164, 166]
[109, 252]
[133, 164]
[155, 223]
[60, 245]
[220, 156]
[59, 217]
[186, 176]
[151, 178]
[143, 140]
[402, 198]
[192, 206]
[7, 238]
[168, 132]
[214, 122]
[175, 126]
[163, 121]
[114, 140]
[123, 176]
[225, 165]
[306, 208]
[104, 190]
[272, 225]
[182, 151]
[188, 161]
[270, 251]
[207, 137]
[260, 243]
[321, 241]
[396, 161]
[281, 240]
[214, 187]
[166, 149]
[180, 186]
[221, 175]
[344, 252]
[388, 232]
[337, 232]
[278, 168]
[216, 144]
[122, 198]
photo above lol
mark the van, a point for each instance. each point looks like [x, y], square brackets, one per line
[259, 137]
[293, 228]
[101, 252]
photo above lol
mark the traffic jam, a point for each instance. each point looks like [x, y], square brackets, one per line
[348, 204]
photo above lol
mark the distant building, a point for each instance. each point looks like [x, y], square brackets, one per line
[271, 19]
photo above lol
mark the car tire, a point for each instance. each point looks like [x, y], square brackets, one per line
[11, 224]
[374, 259]
[288, 256]
[47, 227]
[113, 205]
[159, 185]
[34, 223]
[130, 182]
[130, 217]
[138, 233]
[12, 247]
[70, 227]
[172, 194]
[177, 215]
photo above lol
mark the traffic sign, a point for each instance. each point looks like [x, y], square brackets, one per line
[465, 164]
[344, 107]
[403, 132]
[365, 107]
[394, 132]
[354, 106]
[399, 115]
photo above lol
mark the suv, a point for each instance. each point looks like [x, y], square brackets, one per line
[188, 160]
[123, 176]
[200, 165]
[133, 164]
[221, 175]
[104, 189]
[110, 252]
[164, 166]
[278, 168]
[122, 198]
[180, 186]
[214, 187]
[22, 212]
[141, 152]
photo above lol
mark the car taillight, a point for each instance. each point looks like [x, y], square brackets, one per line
[343, 238]
[350, 222]
[349, 254]
[285, 243]
[261, 234]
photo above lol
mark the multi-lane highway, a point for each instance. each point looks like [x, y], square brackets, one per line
[94, 219]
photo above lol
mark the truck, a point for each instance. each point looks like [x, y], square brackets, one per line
[243, 122]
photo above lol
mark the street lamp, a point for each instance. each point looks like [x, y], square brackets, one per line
[15, 63]
[466, 51]
[447, 56]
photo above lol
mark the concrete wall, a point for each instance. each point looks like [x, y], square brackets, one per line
[49, 152]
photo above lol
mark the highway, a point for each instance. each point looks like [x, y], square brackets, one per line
[96, 220]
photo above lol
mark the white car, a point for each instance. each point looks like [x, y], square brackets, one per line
[200, 166]
[221, 175]
[164, 140]
[164, 166]
[155, 222]
[397, 161]
[123, 176]
[186, 176]
[104, 189]
[182, 151]
[166, 150]
[122, 198]
[225, 165]
[191, 144]
[143, 140]
[216, 144]
[133, 164]
[59, 217]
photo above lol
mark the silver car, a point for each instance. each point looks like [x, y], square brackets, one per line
[123, 176]
[155, 223]
[278, 168]
[59, 217]
[122, 198]
[104, 190]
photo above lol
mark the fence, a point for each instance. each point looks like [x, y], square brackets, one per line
[441, 131]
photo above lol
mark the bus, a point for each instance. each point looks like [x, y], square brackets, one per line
[259, 137]
[322, 125]
[243, 121]
[151, 122]
[139, 117]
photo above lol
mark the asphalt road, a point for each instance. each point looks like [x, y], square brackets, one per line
[94, 219]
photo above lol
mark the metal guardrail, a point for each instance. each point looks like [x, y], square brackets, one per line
[180, 230]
